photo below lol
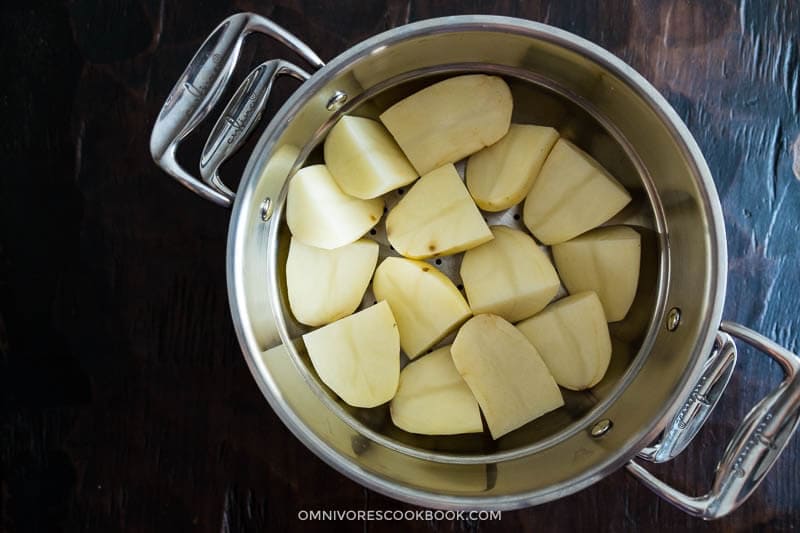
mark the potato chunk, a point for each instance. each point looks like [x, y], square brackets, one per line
[433, 398]
[500, 175]
[572, 194]
[364, 159]
[450, 120]
[572, 337]
[505, 373]
[508, 276]
[605, 261]
[436, 217]
[320, 214]
[424, 301]
[325, 285]
[358, 357]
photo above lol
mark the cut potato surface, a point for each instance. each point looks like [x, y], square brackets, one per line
[325, 285]
[433, 398]
[450, 120]
[364, 159]
[571, 195]
[320, 214]
[509, 276]
[436, 217]
[358, 357]
[606, 261]
[424, 301]
[572, 337]
[505, 373]
[500, 175]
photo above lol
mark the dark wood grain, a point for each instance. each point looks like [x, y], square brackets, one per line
[126, 405]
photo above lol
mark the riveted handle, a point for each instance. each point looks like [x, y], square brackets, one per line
[240, 116]
[707, 392]
[199, 88]
[754, 448]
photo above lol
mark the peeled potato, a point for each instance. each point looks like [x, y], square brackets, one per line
[605, 261]
[358, 357]
[505, 373]
[433, 399]
[364, 159]
[508, 276]
[572, 194]
[320, 214]
[500, 175]
[572, 337]
[450, 120]
[325, 285]
[436, 217]
[424, 301]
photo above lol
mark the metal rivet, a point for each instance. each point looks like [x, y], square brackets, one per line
[337, 100]
[266, 209]
[673, 318]
[601, 428]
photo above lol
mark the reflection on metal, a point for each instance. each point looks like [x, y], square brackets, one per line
[601, 428]
[336, 101]
[674, 318]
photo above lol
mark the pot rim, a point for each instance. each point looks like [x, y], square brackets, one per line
[670, 119]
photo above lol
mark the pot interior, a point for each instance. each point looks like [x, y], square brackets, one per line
[536, 101]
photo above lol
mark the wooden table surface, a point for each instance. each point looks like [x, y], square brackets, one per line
[126, 404]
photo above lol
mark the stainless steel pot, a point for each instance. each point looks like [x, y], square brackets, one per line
[672, 355]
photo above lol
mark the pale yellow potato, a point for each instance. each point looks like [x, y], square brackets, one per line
[505, 373]
[326, 285]
[436, 217]
[572, 337]
[433, 398]
[500, 175]
[358, 356]
[509, 276]
[571, 195]
[424, 301]
[450, 120]
[320, 214]
[364, 159]
[605, 261]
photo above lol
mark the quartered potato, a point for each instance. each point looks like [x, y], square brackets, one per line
[436, 217]
[424, 301]
[494, 371]
[358, 357]
[508, 276]
[572, 337]
[325, 285]
[500, 175]
[450, 120]
[605, 261]
[320, 214]
[572, 195]
[364, 159]
[505, 373]
[433, 398]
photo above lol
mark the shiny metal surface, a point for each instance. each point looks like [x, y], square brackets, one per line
[676, 208]
[199, 88]
[240, 116]
[695, 411]
[754, 447]
[606, 108]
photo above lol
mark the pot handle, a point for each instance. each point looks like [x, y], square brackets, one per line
[200, 87]
[755, 446]
[707, 392]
